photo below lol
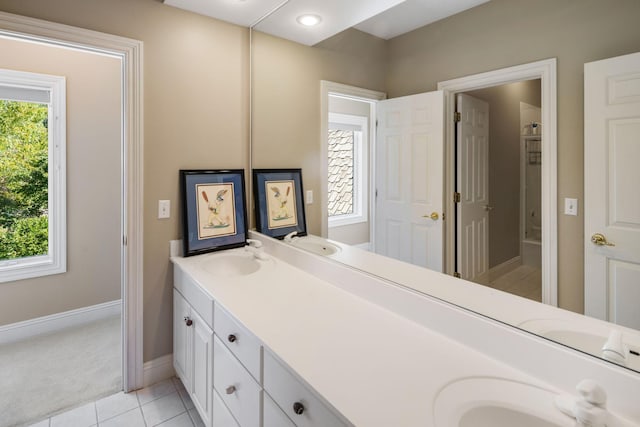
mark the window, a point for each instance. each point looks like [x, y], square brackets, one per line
[32, 175]
[347, 166]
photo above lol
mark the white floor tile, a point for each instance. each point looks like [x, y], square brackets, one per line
[116, 404]
[156, 391]
[163, 409]
[182, 420]
[43, 423]
[195, 417]
[132, 418]
[84, 416]
[186, 399]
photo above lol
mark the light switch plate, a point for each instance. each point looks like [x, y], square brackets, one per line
[570, 206]
[309, 197]
[164, 209]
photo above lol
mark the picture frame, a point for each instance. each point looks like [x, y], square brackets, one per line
[214, 215]
[279, 203]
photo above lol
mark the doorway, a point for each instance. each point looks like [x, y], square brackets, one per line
[129, 54]
[545, 71]
[498, 165]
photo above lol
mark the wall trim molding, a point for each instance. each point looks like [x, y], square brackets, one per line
[546, 71]
[157, 370]
[58, 321]
[130, 53]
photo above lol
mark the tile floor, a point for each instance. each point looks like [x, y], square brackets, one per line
[165, 404]
[524, 281]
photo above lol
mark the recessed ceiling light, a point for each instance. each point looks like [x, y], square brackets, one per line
[309, 20]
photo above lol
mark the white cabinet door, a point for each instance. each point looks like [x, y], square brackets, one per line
[409, 179]
[612, 201]
[182, 339]
[202, 368]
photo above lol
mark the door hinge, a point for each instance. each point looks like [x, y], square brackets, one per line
[457, 117]
[124, 240]
[456, 197]
[456, 275]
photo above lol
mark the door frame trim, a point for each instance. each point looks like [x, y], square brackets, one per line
[130, 53]
[546, 71]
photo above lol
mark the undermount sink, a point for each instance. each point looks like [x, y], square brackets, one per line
[315, 245]
[491, 402]
[233, 264]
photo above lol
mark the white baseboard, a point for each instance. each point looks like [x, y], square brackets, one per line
[56, 322]
[504, 268]
[157, 370]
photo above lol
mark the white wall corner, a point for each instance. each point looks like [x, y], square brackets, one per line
[175, 248]
[157, 370]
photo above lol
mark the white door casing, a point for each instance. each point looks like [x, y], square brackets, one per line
[409, 179]
[472, 141]
[612, 201]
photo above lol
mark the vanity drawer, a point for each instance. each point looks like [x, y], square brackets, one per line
[194, 294]
[296, 400]
[242, 343]
[221, 415]
[237, 388]
[273, 415]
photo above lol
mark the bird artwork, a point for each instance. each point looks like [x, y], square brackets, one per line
[215, 219]
[282, 211]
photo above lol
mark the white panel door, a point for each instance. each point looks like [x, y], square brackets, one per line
[472, 139]
[612, 198]
[409, 179]
[182, 339]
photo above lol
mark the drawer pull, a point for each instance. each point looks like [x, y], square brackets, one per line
[231, 389]
[298, 408]
[232, 338]
[188, 321]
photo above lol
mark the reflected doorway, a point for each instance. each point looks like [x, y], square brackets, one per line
[498, 161]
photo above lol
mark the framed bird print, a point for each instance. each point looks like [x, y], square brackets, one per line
[213, 210]
[279, 203]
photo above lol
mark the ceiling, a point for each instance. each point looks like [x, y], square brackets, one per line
[382, 18]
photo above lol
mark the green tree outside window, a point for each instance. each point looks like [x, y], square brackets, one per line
[23, 179]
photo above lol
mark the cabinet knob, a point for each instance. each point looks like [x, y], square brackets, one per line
[298, 408]
[232, 338]
[231, 389]
[188, 321]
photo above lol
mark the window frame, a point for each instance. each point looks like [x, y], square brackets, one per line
[360, 124]
[55, 261]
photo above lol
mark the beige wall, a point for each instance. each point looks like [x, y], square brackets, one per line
[504, 164]
[502, 33]
[286, 99]
[93, 184]
[195, 116]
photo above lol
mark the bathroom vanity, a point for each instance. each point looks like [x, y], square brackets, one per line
[277, 336]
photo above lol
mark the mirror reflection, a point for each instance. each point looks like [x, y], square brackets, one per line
[288, 122]
[499, 237]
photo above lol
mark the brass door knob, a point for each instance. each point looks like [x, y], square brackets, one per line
[600, 240]
[434, 216]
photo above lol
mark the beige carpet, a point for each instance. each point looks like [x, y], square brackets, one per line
[51, 373]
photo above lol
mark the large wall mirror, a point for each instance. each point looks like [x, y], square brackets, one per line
[299, 121]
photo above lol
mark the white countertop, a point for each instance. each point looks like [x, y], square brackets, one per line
[374, 366]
